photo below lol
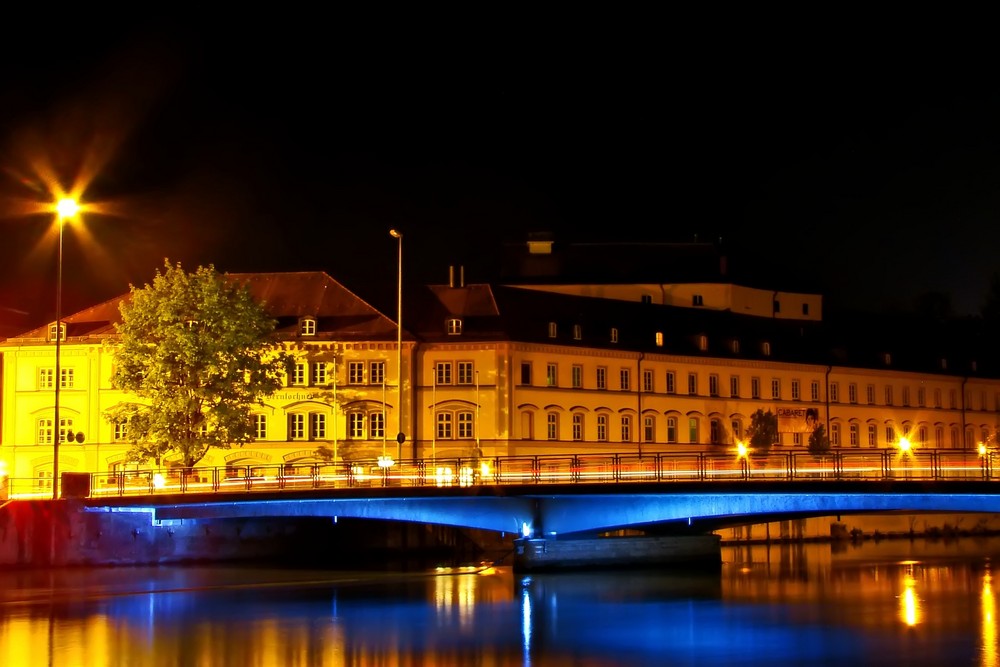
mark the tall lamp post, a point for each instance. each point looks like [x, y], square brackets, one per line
[400, 436]
[66, 209]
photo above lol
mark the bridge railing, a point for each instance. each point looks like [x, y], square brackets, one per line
[662, 467]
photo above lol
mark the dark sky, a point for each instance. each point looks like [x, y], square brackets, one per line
[854, 161]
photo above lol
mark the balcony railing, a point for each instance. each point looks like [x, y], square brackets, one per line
[864, 465]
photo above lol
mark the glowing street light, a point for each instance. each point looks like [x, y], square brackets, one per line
[66, 209]
[904, 444]
[400, 436]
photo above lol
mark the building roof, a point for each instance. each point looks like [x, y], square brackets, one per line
[340, 314]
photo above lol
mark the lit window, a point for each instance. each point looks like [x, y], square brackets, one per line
[578, 427]
[297, 427]
[671, 429]
[376, 424]
[659, 339]
[299, 373]
[465, 372]
[67, 378]
[625, 379]
[260, 427]
[62, 330]
[45, 378]
[577, 377]
[356, 372]
[444, 426]
[465, 426]
[602, 427]
[647, 380]
[356, 425]
[648, 428]
[319, 373]
[765, 349]
[307, 327]
[552, 426]
[577, 332]
[626, 428]
[376, 371]
[602, 377]
[317, 425]
[552, 329]
[703, 343]
[671, 382]
[442, 372]
[614, 334]
[454, 327]
[551, 372]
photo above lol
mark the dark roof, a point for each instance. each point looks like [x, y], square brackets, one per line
[340, 314]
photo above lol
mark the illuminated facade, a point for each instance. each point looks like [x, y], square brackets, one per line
[493, 370]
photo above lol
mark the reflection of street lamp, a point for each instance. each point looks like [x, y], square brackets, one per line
[400, 436]
[66, 209]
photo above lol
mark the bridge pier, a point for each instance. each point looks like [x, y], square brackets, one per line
[548, 554]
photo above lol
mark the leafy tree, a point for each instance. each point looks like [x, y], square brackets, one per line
[763, 431]
[196, 348]
[819, 444]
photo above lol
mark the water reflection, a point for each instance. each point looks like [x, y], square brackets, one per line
[884, 603]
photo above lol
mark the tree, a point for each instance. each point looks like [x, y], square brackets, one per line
[196, 348]
[819, 444]
[763, 431]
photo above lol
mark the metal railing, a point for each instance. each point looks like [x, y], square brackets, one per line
[841, 465]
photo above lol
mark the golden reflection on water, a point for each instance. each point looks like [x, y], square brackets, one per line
[989, 613]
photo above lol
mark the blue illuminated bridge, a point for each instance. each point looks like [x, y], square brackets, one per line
[570, 497]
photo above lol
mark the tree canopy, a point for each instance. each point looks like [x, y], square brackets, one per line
[763, 431]
[196, 349]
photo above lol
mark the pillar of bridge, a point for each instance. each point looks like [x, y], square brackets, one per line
[541, 554]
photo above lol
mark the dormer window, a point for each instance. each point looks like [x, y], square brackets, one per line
[703, 342]
[307, 326]
[659, 339]
[614, 334]
[765, 348]
[944, 364]
[552, 329]
[577, 332]
[62, 331]
[734, 346]
[647, 298]
[973, 366]
[697, 300]
[454, 326]
[887, 359]
[805, 309]
[777, 306]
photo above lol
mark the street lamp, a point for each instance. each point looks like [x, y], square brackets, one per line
[66, 209]
[400, 436]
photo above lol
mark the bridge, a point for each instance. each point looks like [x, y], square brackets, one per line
[552, 501]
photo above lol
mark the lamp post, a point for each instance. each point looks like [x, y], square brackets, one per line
[66, 209]
[400, 436]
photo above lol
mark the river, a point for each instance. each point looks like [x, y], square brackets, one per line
[893, 602]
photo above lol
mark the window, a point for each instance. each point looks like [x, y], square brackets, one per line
[854, 435]
[62, 331]
[715, 431]
[693, 429]
[356, 372]
[953, 398]
[648, 429]
[66, 432]
[552, 329]
[693, 384]
[551, 375]
[45, 378]
[671, 429]
[888, 394]
[765, 349]
[906, 397]
[734, 346]
[376, 371]
[526, 372]
[602, 427]
[319, 373]
[614, 334]
[870, 394]
[887, 359]
[937, 398]
[552, 426]
[754, 387]
[444, 426]
[872, 435]
[578, 426]
[796, 396]
[260, 427]
[671, 382]
[697, 300]
[466, 425]
[602, 377]
[299, 373]
[356, 425]
[646, 298]
[796, 438]
[66, 376]
[702, 343]
[805, 309]
[734, 386]
[658, 339]
[376, 425]
[453, 326]
[737, 429]
[647, 381]
[890, 435]
[120, 431]
[835, 434]
[297, 426]
[834, 392]
[626, 428]
[921, 397]
[814, 390]
[939, 437]
[625, 379]
[307, 326]
[442, 372]
[577, 377]
[466, 373]
[852, 393]
[955, 442]
[777, 306]
[775, 388]
[713, 385]
[922, 435]
[577, 332]
[317, 425]
[44, 431]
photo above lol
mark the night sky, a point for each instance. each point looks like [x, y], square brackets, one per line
[853, 162]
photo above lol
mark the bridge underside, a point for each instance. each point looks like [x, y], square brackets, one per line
[568, 512]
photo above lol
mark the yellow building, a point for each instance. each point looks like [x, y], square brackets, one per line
[494, 370]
